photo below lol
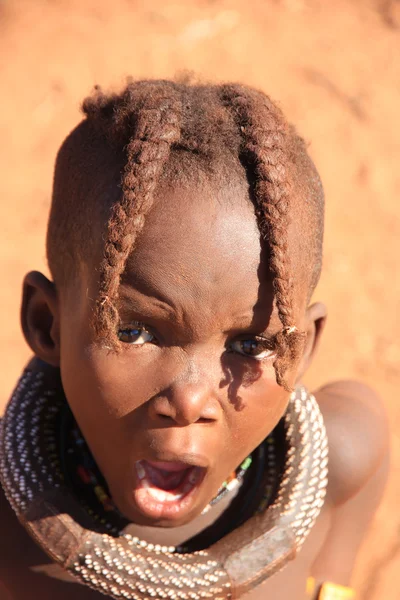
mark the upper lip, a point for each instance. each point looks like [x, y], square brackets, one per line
[187, 459]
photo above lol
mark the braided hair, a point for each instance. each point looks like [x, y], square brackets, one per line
[158, 127]
[266, 143]
[146, 125]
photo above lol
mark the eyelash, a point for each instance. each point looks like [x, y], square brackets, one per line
[137, 326]
[140, 328]
[266, 351]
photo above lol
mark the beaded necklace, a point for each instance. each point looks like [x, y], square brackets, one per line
[33, 478]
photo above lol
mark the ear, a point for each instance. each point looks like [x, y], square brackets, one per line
[315, 323]
[40, 317]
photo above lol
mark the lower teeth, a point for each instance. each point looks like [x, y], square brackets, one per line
[163, 496]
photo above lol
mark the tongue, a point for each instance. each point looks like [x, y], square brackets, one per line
[164, 478]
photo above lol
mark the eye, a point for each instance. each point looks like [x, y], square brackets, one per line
[136, 335]
[253, 347]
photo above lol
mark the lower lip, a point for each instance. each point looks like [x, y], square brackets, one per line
[156, 503]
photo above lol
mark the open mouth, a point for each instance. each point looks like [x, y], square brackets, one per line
[166, 489]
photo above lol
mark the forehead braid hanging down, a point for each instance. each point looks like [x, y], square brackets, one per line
[147, 121]
[266, 144]
[146, 125]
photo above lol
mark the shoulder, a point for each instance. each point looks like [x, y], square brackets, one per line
[26, 572]
[357, 429]
[17, 539]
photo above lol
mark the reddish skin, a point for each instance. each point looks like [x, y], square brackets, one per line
[191, 395]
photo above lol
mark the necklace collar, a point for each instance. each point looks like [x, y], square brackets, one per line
[126, 567]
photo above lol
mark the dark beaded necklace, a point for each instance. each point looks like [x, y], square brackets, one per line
[84, 477]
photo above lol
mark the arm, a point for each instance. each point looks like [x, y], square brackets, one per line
[359, 462]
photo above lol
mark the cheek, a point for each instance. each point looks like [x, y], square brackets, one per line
[258, 402]
[100, 383]
[106, 393]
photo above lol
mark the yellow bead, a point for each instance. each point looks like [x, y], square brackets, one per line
[332, 591]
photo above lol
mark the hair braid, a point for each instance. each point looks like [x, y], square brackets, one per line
[266, 145]
[150, 114]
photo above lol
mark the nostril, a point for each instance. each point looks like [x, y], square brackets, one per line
[169, 419]
[183, 409]
[165, 417]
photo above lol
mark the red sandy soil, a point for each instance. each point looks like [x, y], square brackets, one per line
[334, 67]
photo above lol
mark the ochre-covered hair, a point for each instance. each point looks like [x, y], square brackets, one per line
[158, 130]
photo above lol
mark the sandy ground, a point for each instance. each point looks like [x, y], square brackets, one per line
[334, 66]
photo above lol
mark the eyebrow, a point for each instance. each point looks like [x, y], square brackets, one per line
[133, 296]
[249, 325]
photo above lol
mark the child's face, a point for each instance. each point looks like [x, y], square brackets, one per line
[190, 387]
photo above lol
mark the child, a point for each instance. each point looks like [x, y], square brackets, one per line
[160, 444]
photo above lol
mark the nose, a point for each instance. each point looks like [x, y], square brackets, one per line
[185, 403]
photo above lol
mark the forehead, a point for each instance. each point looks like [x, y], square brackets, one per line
[201, 228]
[201, 246]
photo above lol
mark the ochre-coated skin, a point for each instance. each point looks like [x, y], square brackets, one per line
[198, 281]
